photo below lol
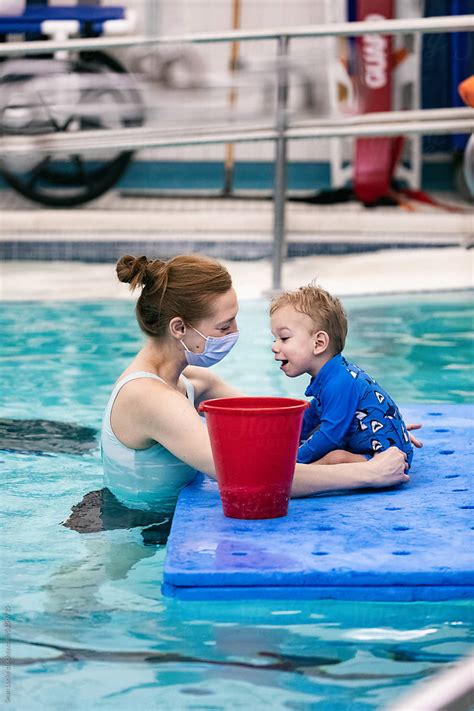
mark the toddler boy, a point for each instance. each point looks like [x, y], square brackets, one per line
[349, 410]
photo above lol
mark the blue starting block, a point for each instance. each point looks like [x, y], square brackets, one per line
[412, 542]
[91, 20]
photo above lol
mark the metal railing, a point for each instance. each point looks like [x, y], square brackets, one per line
[445, 23]
[452, 689]
[382, 124]
[430, 121]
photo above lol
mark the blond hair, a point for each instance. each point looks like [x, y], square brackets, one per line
[325, 311]
[183, 286]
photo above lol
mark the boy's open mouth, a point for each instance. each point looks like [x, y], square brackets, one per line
[283, 363]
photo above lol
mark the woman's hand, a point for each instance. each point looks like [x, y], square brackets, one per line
[388, 468]
[416, 442]
[384, 469]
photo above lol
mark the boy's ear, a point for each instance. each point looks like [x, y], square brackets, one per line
[320, 342]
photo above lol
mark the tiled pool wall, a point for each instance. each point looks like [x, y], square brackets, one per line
[96, 250]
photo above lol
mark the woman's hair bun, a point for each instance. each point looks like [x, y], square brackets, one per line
[185, 285]
[132, 270]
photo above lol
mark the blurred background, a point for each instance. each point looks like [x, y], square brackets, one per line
[165, 135]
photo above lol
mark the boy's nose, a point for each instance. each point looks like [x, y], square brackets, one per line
[274, 348]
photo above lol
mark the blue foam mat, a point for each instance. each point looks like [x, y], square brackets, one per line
[413, 542]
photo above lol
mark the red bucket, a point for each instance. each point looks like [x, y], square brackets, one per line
[254, 443]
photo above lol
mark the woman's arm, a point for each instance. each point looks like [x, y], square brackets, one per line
[208, 386]
[170, 419]
[147, 411]
[181, 431]
[184, 434]
[385, 469]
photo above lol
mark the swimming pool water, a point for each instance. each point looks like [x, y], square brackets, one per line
[84, 619]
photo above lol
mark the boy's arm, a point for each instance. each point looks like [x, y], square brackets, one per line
[339, 403]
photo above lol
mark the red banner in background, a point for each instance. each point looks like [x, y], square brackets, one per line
[375, 158]
[374, 59]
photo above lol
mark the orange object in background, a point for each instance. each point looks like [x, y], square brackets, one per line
[466, 91]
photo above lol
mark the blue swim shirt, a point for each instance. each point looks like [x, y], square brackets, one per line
[349, 411]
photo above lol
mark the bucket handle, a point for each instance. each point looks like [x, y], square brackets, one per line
[206, 404]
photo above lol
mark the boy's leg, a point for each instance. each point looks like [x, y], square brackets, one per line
[340, 456]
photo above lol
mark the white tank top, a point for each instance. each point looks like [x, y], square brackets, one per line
[148, 479]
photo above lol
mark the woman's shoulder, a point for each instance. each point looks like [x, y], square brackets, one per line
[201, 379]
[143, 398]
[136, 379]
[140, 376]
[141, 408]
[133, 388]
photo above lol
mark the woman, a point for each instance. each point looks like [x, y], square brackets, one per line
[153, 439]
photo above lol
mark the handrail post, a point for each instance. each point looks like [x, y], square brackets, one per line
[279, 187]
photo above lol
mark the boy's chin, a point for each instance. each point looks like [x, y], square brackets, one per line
[290, 370]
[292, 374]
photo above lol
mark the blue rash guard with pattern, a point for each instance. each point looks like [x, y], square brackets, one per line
[349, 411]
[147, 479]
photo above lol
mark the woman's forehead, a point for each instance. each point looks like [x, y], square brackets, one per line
[225, 307]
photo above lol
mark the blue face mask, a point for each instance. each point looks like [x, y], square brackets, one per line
[214, 350]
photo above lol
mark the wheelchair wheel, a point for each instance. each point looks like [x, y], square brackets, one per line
[91, 80]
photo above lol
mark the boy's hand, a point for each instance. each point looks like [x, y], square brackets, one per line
[416, 442]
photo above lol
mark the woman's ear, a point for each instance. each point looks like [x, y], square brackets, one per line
[320, 342]
[177, 327]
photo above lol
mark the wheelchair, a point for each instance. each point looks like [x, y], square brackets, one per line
[65, 92]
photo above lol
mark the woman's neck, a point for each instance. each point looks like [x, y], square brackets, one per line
[160, 359]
